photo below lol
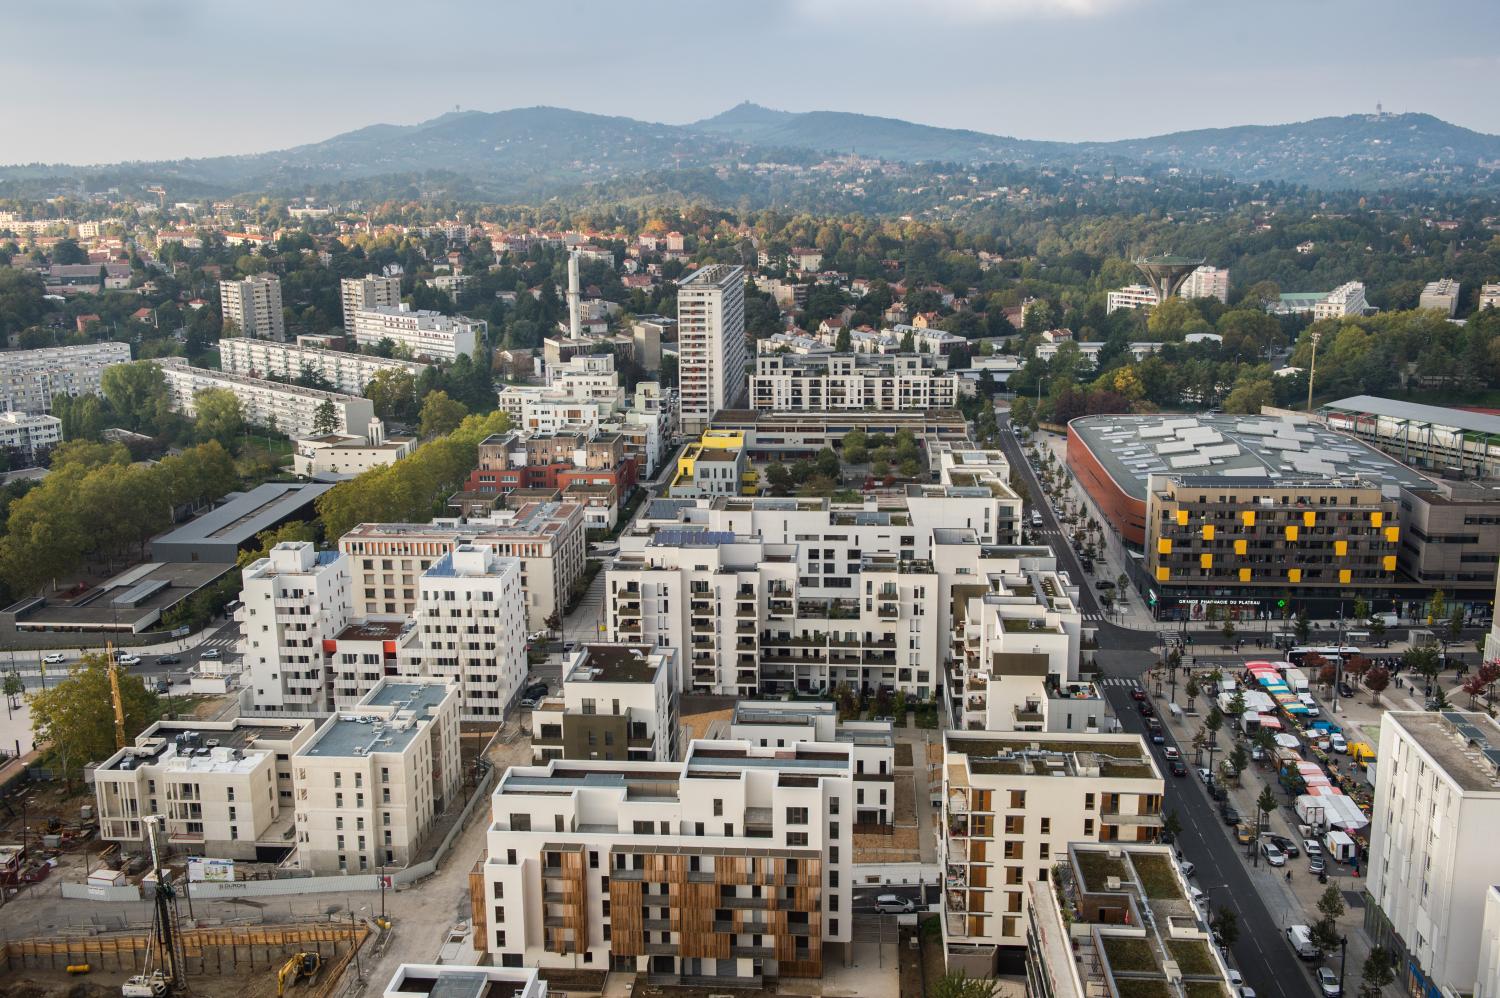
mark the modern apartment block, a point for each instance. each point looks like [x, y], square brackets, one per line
[1013, 802]
[1441, 296]
[471, 628]
[711, 348]
[30, 378]
[731, 868]
[254, 306]
[293, 600]
[347, 372]
[290, 409]
[536, 409]
[1431, 862]
[373, 291]
[365, 653]
[1118, 920]
[420, 332]
[386, 560]
[538, 460]
[1207, 282]
[224, 788]
[837, 382]
[26, 433]
[1489, 296]
[1346, 299]
[423, 980]
[618, 702]
[372, 780]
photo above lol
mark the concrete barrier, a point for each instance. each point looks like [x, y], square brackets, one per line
[101, 892]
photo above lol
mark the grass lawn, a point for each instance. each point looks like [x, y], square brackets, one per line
[1129, 953]
[1157, 876]
[1192, 956]
[1097, 867]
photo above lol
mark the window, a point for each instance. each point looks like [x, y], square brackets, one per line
[796, 816]
[499, 896]
[796, 839]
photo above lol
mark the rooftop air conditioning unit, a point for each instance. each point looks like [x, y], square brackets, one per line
[1111, 883]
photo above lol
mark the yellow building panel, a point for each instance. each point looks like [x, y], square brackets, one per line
[1389, 562]
[1244, 575]
[1249, 517]
[1163, 574]
[1208, 531]
[1377, 518]
[1205, 561]
[1291, 532]
[1309, 518]
[1164, 545]
[1294, 575]
[1392, 534]
[1345, 575]
[1341, 548]
[1241, 547]
[1182, 517]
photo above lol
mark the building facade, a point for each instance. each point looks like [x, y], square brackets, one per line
[835, 382]
[254, 306]
[1346, 299]
[290, 409]
[372, 291]
[618, 702]
[420, 332]
[1441, 296]
[711, 348]
[347, 372]
[292, 601]
[29, 433]
[30, 378]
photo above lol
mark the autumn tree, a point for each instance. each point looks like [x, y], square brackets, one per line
[1376, 680]
[441, 414]
[75, 719]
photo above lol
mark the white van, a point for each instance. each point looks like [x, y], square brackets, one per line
[1300, 936]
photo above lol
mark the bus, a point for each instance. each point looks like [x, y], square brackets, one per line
[1330, 654]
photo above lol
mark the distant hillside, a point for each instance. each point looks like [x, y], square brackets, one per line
[538, 152]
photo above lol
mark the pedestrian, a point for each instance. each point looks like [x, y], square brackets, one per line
[1289, 876]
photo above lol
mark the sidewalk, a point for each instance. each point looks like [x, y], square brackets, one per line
[33, 656]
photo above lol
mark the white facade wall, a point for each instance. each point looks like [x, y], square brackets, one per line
[789, 384]
[711, 346]
[1346, 299]
[348, 372]
[289, 408]
[293, 600]
[423, 333]
[30, 378]
[27, 432]
[373, 291]
[254, 305]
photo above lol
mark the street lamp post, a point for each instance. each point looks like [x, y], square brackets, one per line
[1343, 955]
[1312, 370]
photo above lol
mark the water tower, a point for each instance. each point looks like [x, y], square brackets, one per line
[1166, 274]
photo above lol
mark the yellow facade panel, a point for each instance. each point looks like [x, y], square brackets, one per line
[1294, 575]
[1377, 518]
[1392, 534]
[1345, 575]
[1388, 563]
[1206, 561]
[1340, 548]
[1182, 517]
[1163, 574]
[1249, 517]
[1291, 532]
[1164, 545]
[1208, 531]
[1309, 518]
[1241, 547]
[1244, 575]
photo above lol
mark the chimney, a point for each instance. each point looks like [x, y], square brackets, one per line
[575, 321]
[375, 433]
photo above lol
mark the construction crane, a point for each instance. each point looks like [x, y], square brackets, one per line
[114, 694]
[300, 966]
[166, 959]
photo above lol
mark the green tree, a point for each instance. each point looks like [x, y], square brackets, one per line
[13, 688]
[1238, 759]
[441, 415]
[1211, 725]
[1361, 610]
[137, 392]
[842, 343]
[1424, 661]
[393, 393]
[1438, 609]
[218, 416]
[75, 718]
[1302, 627]
[1266, 805]
[1325, 931]
[326, 417]
[1376, 974]
[827, 463]
[1227, 926]
[1171, 824]
[856, 447]
[957, 984]
[779, 477]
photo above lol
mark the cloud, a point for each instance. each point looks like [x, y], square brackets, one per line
[962, 11]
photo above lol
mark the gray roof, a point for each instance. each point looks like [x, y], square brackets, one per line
[1458, 419]
[217, 534]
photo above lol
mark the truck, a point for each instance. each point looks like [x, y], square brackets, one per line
[1363, 754]
[1296, 680]
[1311, 812]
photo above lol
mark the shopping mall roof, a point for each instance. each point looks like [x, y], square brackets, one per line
[1248, 448]
[1415, 412]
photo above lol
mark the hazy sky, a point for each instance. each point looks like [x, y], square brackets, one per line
[94, 81]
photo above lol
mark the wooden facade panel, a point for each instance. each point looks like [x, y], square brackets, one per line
[627, 933]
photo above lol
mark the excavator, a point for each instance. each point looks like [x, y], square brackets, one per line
[302, 966]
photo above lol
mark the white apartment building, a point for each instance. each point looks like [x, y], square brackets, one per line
[1441, 296]
[30, 378]
[1207, 282]
[290, 409]
[334, 456]
[1346, 299]
[735, 865]
[347, 372]
[452, 285]
[835, 382]
[1012, 804]
[420, 332]
[386, 560]
[711, 347]
[471, 629]
[1489, 296]
[588, 376]
[618, 702]
[646, 428]
[372, 780]
[1130, 296]
[365, 653]
[27, 433]
[422, 980]
[1431, 863]
[373, 291]
[550, 410]
[1487, 983]
[293, 600]
[254, 306]
[782, 723]
[224, 788]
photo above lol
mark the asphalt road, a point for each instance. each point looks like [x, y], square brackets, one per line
[1261, 953]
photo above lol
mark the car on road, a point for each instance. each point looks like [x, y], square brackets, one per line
[1170, 752]
[1285, 844]
[1312, 848]
[129, 658]
[1179, 768]
[211, 655]
[1273, 853]
[1242, 833]
[1315, 865]
[894, 904]
[169, 660]
[1229, 813]
[54, 658]
[1187, 868]
[1328, 983]
[1138, 694]
[163, 686]
[1146, 709]
[1104, 585]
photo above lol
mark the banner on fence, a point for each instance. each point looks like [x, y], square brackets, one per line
[212, 871]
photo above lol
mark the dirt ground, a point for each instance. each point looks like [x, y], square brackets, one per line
[106, 984]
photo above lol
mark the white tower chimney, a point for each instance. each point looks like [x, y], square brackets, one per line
[575, 319]
[375, 432]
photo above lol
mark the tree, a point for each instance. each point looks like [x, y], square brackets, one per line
[1228, 630]
[13, 687]
[779, 477]
[1423, 661]
[1171, 824]
[76, 720]
[1325, 931]
[1361, 610]
[218, 416]
[1302, 627]
[393, 393]
[1226, 926]
[1438, 608]
[326, 417]
[1238, 759]
[957, 984]
[441, 414]
[827, 463]
[1211, 726]
[856, 447]
[1376, 974]
[1456, 622]
[137, 392]
[1376, 680]
[1266, 804]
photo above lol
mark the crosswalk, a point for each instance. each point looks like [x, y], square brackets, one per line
[225, 643]
[1118, 681]
[1096, 617]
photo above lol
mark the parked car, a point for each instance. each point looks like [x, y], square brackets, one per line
[169, 660]
[1158, 737]
[1146, 709]
[1242, 833]
[1218, 791]
[1179, 768]
[1137, 694]
[893, 904]
[1229, 813]
[163, 686]
[1300, 936]
[1273, 853]
[535, 691]
[1285, 844]
[1336, 743]
[1104, 585]
[1312, 847]
[1205, 775]
[528, 703]
[1187, 868]
[54, 658]
[1328, 983]
[1315, 865]
[1345, 690]
[129, 658]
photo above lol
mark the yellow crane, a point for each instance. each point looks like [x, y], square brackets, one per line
[114, 694]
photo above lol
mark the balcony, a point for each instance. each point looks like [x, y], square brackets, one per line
[889, 611]
[1029, 712]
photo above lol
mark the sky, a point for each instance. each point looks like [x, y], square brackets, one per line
[163, 79]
